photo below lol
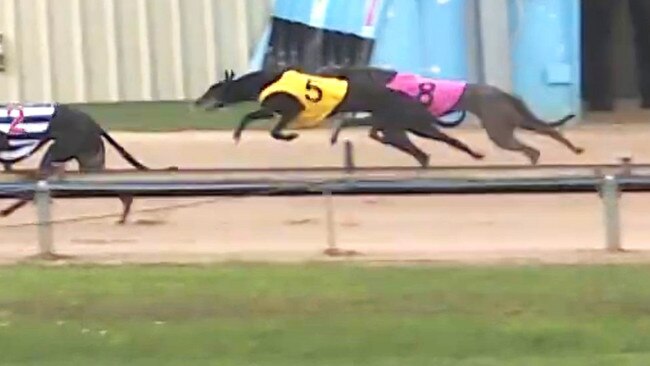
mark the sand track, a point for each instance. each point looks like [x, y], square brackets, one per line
[472, 229]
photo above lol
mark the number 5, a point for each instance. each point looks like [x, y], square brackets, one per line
[313, 88]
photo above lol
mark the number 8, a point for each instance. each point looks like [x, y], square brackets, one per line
[426, 93]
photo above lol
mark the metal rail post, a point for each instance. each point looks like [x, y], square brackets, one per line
[332, 249]
[45, 237]
[349, 157]
[610, 195]
[626, 165]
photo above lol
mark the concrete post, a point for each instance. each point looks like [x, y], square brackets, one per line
[45, 237]
[610, 195]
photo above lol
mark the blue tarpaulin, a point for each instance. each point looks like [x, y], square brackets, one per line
[430, 37]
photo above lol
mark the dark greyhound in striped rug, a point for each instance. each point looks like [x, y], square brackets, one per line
[75, 135]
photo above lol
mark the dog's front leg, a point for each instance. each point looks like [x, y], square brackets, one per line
[47, 169]
[262, 113]
[277, 132]
[350, 122]
[23, 201]
[289, 108]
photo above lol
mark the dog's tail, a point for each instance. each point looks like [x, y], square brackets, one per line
[562, 121]
[122, 151]
[531, 118]
[126, 155]
[534, 124]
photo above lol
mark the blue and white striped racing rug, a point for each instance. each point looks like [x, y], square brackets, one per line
[26, 125]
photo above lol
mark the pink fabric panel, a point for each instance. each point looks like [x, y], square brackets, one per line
[445, 93]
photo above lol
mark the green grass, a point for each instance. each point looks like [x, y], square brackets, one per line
[165, 116]
[324, 315]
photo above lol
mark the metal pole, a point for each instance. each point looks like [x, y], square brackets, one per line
[626, 162]
[349, 156]
[42, 197]
[610, 194]
[330, 225]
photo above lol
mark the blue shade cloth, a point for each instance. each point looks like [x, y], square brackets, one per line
[545, 36]
[429, 37]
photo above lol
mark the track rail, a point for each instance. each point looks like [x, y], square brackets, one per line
[339, 169]
[310, 187]
[609, 180]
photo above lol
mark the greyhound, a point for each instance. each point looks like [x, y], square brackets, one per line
[500, 113]
[392, 112]
[75, 135]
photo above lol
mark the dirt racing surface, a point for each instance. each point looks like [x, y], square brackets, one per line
[474, 229]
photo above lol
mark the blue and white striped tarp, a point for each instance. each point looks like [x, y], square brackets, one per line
[26, 125]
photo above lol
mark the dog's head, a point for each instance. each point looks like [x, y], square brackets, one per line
[220, 94]
[4, 141]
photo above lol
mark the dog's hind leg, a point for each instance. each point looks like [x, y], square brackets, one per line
[47, 168]
[546, 130]
[427, 130]
[94, 162]
[374, 134]
[530, 122]
[15, 207]
[509, 106]
[349, 122]
[397, 138]
[503, 135]
[127, 202]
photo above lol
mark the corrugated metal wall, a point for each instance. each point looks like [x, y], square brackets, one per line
[124, 50]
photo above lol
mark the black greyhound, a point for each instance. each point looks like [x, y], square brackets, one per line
[75, 136]
[500, 113]
[393, 113]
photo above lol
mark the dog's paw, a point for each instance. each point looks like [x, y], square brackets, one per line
[534, 160]
[424, 161]
[285, 137]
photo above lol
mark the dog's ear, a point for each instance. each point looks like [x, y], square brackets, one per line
[232, 74]
[226, 75]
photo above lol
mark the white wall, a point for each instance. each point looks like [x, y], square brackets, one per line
[124, 50]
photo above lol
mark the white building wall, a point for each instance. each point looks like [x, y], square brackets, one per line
[124, 50]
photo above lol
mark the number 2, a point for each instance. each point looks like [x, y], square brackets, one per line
[311, 88]
[13, 127]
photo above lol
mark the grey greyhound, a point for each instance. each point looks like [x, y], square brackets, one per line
[74, 134]
[500, 113]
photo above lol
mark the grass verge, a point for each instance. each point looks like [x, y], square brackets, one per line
[324, 315]
[165, 116]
